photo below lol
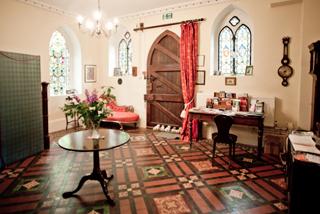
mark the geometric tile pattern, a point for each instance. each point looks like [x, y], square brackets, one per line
[151, 175]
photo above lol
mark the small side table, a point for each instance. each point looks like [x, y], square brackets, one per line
[72, 120]
[80, 142]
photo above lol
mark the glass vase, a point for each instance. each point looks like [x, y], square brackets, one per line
[94, 129]
[95, 132]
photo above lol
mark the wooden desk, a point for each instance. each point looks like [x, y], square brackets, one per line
[251, 119]
[303, 179]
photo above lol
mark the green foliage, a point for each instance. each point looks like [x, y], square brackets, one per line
[90, 110]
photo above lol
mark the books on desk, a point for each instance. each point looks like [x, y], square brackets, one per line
[303, 143]
[225, 112]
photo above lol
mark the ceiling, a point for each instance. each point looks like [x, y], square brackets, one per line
[110, 8]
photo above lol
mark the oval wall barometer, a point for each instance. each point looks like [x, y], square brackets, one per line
[285, 70]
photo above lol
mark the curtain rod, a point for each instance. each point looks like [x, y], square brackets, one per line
[169, 24]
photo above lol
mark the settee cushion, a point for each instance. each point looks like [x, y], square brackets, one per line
[124, 117]
[114, 107]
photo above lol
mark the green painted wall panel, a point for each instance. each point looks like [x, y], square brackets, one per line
[20, 106]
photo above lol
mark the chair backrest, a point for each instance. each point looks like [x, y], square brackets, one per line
[223, 123]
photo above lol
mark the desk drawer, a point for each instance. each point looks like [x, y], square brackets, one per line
[246, 121]
[202, 117]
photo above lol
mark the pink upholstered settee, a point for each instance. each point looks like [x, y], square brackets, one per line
[121, 115]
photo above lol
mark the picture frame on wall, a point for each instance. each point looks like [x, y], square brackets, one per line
[117, 72]
[90, 73]
[201, 77]
[201, 61]
[249, 70]
[230, 81]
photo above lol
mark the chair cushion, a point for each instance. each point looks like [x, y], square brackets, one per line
[120, 116]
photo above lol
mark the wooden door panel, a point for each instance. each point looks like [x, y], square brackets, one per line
[163, 113]
[167, 52]
[165, 67]
[163, 80]
[160, 58]
[168, 97]
[170, 42]
[164, 93]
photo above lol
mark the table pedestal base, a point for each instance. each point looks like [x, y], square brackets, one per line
[98, 175]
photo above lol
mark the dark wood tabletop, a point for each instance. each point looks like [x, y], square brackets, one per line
[81, 142]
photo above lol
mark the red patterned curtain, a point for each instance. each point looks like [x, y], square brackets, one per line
[188, 66]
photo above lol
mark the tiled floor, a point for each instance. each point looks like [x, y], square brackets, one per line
[151, 175]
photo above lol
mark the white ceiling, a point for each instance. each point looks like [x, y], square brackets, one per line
[110, 8]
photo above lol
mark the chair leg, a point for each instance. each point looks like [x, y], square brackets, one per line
[230, 148]
[234, 149]
[213, 151]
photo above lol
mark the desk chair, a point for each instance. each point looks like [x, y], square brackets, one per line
[224, 123]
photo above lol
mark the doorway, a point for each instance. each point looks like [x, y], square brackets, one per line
[164, 94]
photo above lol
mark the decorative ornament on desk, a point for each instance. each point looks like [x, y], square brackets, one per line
[285, 70]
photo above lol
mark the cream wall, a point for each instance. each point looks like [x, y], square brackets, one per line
[269, 26]
[26, 29]
[310, 33]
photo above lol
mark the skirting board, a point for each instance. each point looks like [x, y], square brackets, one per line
[57, 125]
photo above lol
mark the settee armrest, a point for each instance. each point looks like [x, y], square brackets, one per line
[113, 106]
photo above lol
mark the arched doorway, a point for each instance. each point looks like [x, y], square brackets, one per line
[164, 93]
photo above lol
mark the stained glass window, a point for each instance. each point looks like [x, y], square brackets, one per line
[234, 21]
[129, 55]
[234, 47]
[59, 65]
[242, 48]
[225, 50]
[125, 54]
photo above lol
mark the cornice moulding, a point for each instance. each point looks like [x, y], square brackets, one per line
[47, 7]
[175, 7]
[171, 8]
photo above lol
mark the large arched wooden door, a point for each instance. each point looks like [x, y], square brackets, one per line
[164, 93]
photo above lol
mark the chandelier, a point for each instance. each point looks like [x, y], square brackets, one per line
[96, 26]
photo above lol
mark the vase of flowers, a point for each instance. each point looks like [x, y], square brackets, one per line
[91, 110]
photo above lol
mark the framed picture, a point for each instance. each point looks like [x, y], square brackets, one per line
[230, 81]
[249, 70]
[201, 77]
[200, 60]
[90, 73]
[117, 72]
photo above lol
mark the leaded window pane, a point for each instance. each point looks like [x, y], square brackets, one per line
[243, 49]
[225, 61]
[123, 56]
[129, 55]
[234, 21]
[59, 64]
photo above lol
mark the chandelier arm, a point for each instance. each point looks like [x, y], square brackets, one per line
[97, 28]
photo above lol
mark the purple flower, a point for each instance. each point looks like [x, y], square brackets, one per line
[91, 98]
[77, 99]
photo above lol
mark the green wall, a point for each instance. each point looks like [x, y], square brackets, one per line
[21, 128]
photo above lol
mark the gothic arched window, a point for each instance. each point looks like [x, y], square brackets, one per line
[234, 47]
[59, 64]
[125, 54]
